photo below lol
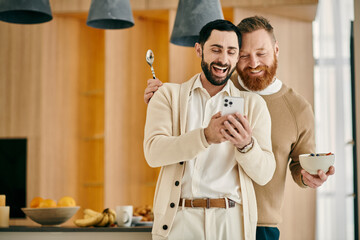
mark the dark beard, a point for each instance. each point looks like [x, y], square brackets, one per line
[259, 83]
[207, 71]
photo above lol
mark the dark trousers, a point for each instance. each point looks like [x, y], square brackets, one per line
[267, 233]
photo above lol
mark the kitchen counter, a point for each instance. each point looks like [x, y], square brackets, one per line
[55, 233]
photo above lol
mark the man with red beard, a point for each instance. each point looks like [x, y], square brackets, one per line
[292, 120]
[208, 162]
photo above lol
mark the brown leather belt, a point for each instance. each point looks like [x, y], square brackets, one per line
[207, 203]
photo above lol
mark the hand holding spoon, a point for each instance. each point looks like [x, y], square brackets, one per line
[150, 61]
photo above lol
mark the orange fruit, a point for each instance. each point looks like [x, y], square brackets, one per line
[47, 203]
[35, 202]
[66, 202]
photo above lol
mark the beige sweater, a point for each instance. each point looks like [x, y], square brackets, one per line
[292, 129]
[168, 145]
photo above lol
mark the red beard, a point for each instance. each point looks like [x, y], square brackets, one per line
[259, 83]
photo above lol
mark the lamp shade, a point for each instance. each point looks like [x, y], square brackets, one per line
[110, 14]
[191, 16]
[25, 11]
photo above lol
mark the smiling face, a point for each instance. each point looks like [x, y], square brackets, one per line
[258, 60]
[219, 55]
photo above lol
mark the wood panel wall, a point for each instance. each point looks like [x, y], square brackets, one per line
[58, 107]
[73, 112]
[128, 178]
[295, 68]
[91, 109]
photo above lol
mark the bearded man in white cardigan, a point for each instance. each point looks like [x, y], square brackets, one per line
[208, 161]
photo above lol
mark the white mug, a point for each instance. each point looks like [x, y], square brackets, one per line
[124, 215]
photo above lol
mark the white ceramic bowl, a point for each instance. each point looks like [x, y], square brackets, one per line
[312, 164]
[136, 219]
[50, 216]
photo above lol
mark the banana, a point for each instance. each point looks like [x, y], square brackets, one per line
[111, 219]
[112, 212]
[94, 218]
[87, 216]
[91, 221]
[90, 212]
[104, 221]
[112, 215]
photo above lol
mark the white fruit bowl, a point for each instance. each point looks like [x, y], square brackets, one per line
[319, 161]
[50, 216]
[136, 219]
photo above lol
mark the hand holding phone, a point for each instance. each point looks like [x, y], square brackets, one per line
[232, 105]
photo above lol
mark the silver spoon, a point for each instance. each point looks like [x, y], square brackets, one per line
[150, 61]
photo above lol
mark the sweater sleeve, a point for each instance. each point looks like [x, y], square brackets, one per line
[163, 146]
[259, 163]
[305, 142]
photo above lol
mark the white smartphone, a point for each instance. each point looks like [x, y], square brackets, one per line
[232, 105]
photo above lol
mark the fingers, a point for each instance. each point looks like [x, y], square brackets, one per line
[240, 124]
[213, 135]
[309, 180]
[235, 131]
[150, 89]
[152, 86]
[227, 136]
[323, 177]
[244, 122]
[154, 82]
[148, 93]
[314, 181]
[213, 131]
[222, 138]
[217, 115]
[229, 127]
[147, 97]
[331, 171]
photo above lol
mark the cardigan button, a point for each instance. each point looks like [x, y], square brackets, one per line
[165, 227]
[172, 205]
[177, 183]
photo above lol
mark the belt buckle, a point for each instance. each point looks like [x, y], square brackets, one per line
[231, 203]
[207, 202]
[191, 203]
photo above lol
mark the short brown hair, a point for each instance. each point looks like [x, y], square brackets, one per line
[251, 24]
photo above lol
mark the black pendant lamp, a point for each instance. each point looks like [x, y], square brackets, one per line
[25, 11]
[110, 14]
[191, 16]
